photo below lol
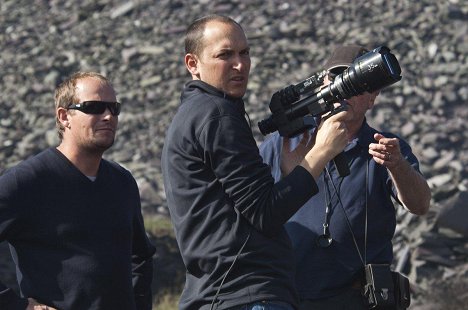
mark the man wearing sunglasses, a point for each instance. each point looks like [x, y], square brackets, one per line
[73, 219]
[227, 212]
[351, 221]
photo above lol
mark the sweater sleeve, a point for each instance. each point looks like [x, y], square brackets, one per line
[9, 214]
[142, 259]
[231, 151]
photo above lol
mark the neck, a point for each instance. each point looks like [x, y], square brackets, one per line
[85, 161]
[353, 129]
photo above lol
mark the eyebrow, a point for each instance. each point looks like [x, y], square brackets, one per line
[229, 49]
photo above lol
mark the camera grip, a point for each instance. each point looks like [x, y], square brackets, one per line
[341, 164]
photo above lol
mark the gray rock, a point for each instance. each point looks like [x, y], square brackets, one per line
[454, 215]
[139, 45]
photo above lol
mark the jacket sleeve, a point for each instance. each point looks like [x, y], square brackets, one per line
[232, 153]
[10, 301]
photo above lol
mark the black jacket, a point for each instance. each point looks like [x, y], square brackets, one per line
[220, 196]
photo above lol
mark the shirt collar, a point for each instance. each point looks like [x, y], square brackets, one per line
[364, 137]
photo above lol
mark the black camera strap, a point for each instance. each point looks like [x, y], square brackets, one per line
[362, 257]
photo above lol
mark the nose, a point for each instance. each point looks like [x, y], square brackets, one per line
[107, 115]
[240, 62]
[237, 63]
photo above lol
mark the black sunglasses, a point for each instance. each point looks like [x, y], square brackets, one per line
[96, 107]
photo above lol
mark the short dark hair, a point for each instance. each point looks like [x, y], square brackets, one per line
[65, 93]
[194, 33]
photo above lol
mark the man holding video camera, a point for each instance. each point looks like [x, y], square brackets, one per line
[228, 213]
[351, 221]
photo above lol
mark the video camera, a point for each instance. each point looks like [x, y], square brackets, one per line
[371, 72]
[292, 115]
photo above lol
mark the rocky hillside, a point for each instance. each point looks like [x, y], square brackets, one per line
[139, 46]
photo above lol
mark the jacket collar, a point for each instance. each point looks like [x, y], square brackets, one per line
[208, 89]
[194, 85]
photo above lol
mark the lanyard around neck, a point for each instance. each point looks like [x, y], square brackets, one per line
[325, 239]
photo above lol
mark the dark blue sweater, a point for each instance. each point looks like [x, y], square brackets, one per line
[77, 244]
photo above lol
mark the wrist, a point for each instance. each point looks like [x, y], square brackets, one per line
[400, 166]
[315, 161]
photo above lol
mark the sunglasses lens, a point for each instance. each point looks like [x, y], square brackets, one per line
[99, 107]
[94, 107]
[114, 108]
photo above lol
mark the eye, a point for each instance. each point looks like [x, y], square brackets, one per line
[224, 54]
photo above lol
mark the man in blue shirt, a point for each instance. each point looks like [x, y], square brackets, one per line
[351, 221]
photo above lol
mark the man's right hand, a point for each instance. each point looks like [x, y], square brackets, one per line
[331, 139]
[332, 134]
[34, 305]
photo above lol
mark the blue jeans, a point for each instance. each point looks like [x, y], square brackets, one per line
[266, 305]
[351, 299]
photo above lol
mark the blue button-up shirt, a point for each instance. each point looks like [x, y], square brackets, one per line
[325, 272]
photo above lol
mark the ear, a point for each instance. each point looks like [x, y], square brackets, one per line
[191, 62]
[63, 117]
[372, 98]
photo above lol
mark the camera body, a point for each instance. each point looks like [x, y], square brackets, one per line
[293, 107]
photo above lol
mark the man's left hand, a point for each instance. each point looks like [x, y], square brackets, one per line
[386, 151]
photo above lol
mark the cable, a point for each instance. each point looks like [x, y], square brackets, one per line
[229, 270]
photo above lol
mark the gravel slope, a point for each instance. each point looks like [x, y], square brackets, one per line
[139, 46]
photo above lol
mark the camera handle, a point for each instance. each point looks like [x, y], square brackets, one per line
[340, 160]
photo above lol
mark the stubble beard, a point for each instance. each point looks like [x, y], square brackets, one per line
[99, 146]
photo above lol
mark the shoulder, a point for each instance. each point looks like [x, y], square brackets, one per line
[116, 168]
[206, 105]
[30, 174]
[116, 172]
[201, 110]
[35, 163]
